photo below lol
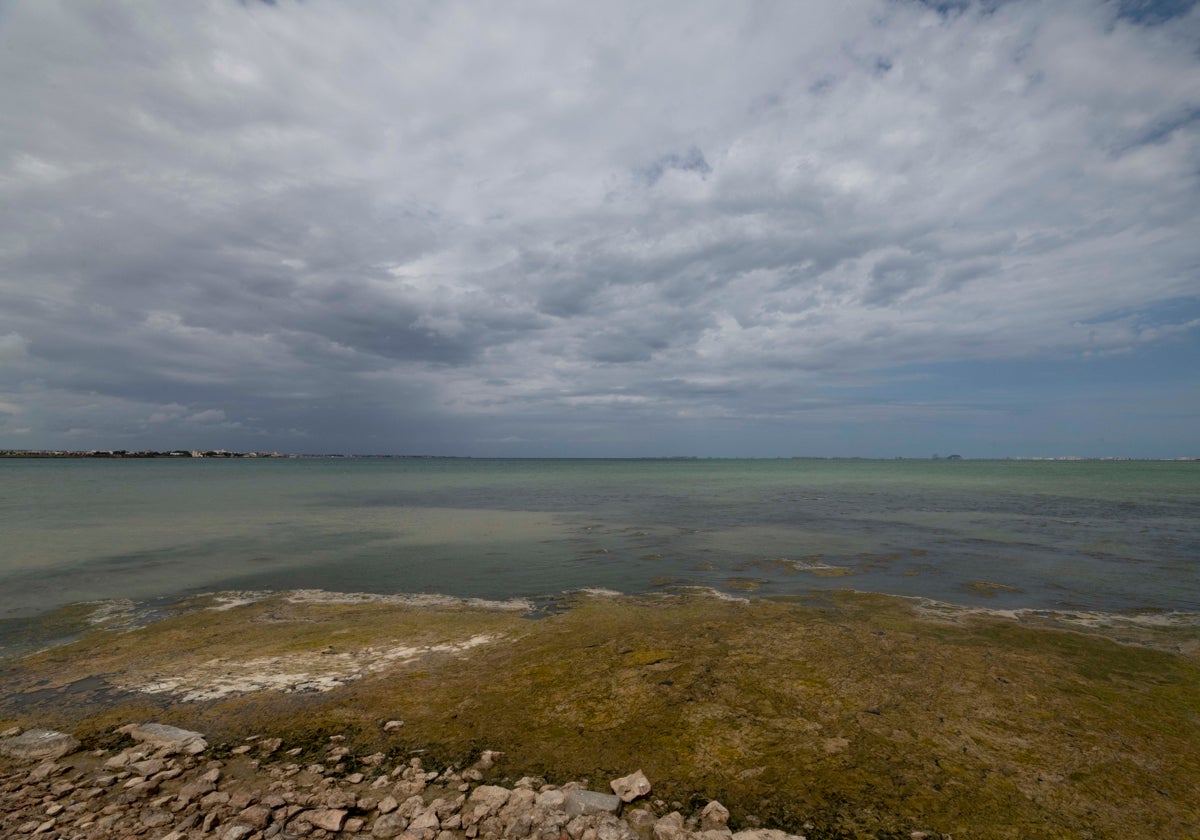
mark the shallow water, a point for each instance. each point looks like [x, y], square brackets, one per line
[1059, 535]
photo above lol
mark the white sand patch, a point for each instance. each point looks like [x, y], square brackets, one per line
[106, 611]
[715, 593]
[229, 600]
[599, 592]
[1093, 620]
[320, 596]
[298, 672]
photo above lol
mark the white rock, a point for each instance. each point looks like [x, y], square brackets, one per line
[631, 787]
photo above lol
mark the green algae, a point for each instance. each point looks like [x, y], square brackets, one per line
[852, 717]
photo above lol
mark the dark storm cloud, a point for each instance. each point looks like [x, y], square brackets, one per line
[321, 226]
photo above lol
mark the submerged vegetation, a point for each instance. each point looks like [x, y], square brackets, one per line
[847, 716]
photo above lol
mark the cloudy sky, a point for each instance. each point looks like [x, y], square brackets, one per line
[853, 227]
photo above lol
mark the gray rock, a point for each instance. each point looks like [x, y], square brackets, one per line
[39, 745]
[631, 787]
[389, 825]
[585, 802]
[167, 739]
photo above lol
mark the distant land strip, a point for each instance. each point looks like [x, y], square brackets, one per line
[225, 453]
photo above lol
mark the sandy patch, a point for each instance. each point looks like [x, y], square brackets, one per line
[322, 670]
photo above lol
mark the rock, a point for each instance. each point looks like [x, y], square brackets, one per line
[487, 759]
[669, 827]
[392, 725]
[199, 787]
[45, 770]
[39, 744]
[586, 802]
[167, 739]
[765, 834]
[714, 817]
[551, 800]
[237, 832]
[155, 818]
[388, 804]
[330, 819]
[631, 787]
[640, 820]
[148, 767]
[425, 826]
[389, 825]
[484, 801]
[256, 816]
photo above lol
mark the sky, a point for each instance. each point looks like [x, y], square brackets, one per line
[832, 228]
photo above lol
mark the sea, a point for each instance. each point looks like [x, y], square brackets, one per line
[1112, 536]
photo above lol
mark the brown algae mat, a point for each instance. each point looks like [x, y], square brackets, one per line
[851, 716]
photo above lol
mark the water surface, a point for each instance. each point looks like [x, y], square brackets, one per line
[1055, 535]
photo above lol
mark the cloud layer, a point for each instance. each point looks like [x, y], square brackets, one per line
[600, 228]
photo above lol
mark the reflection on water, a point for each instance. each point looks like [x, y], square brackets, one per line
[1121, 535]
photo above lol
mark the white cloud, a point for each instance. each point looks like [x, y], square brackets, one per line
[271, 208]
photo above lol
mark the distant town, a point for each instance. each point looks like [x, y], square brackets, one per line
[224, 453]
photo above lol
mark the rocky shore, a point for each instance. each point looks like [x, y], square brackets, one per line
[855, 717]
[166, 783]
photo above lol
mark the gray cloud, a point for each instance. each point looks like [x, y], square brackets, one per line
[381, 227]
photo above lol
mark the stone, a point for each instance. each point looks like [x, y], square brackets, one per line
[484, 801]
[257, 816]
[392, 725]
[39, 744]
[550, 800]
[389, 825]
[166, 739]
[427, 821]
[631, 787]
[330, 819]
[765, 834]
[487, 759]
[640, 820]
[237, 832]
[669, 827]
[388, 804]
[199, 787]
[587, 802]
[714, 817]
[154, 818]
[148, 767]
[45, 770]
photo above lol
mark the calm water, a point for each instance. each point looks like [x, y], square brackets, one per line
[1082, 535]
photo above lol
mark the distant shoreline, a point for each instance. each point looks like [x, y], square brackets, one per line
[223, 453]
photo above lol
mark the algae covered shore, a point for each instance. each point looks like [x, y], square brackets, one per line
[849, 715]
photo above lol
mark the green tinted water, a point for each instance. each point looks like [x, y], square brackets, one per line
[1097, 535]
